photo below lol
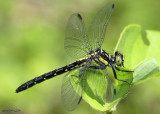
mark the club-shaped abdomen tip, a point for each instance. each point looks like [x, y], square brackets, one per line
[17, 90]
[113, 5]
[21, 88]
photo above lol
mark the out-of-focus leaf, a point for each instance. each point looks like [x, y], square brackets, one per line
[154, 44]
[145, 70]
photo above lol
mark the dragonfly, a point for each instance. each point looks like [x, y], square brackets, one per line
[86, 45]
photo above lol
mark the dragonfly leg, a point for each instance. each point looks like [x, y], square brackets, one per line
[114, 72]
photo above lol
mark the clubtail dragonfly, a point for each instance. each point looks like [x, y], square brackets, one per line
[85, 45]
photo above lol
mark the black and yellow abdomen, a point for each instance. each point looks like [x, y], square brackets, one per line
[51, 74]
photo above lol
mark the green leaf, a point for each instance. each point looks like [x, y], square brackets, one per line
[99, 87]
[138, 47]
[132, 45]
[141, 51]
[145, 70]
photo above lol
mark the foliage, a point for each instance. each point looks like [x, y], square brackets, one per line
[137, 50]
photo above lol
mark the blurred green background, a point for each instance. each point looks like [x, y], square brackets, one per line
[32, 36]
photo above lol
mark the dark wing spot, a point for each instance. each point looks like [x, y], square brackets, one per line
[80, 100]
[114, 91]
[112, 5]
[79, 16]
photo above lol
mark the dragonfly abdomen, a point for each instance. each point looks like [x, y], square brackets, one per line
[49, 75]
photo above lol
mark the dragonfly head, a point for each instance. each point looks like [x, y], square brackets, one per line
[119, 59]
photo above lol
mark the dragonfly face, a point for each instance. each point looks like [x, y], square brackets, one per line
[119, 59]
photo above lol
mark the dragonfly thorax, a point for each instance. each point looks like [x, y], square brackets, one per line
[116, 59]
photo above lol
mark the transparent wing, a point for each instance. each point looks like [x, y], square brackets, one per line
[72, 88]
[110, 88]
[75, 40]
[97, 29]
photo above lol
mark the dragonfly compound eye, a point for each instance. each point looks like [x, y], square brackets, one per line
[119, 58]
